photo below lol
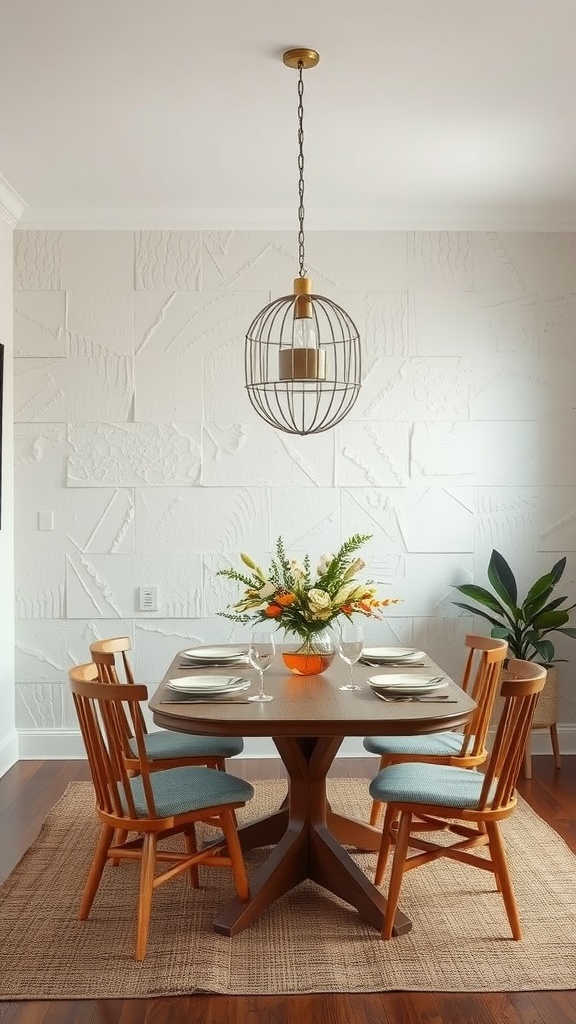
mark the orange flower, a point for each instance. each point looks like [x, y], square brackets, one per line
[346, 609]
[285, 599]
[273, 611]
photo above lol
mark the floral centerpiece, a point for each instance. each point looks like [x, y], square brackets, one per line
[301, 601]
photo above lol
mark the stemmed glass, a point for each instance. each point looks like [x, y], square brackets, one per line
[261, 655]
[350, 647]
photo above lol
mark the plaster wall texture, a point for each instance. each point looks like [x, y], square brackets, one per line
[132, 427]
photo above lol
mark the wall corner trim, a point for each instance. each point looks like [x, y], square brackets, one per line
[12, 205]
[8, 752]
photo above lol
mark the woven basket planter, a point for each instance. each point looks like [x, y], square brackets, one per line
[544, 717]
[547, 706]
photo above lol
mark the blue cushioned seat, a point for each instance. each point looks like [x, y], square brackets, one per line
[164, 744]
[436, 784]
[437, 744]
[178, 790]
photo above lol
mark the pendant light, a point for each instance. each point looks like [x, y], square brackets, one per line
[302, 352]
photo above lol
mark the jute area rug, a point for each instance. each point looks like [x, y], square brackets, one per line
[308, 942]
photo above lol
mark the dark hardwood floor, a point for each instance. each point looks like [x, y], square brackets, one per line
[31, 788]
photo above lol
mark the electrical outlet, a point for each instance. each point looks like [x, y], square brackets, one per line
[148, 597]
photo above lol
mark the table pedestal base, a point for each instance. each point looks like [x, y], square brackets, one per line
[307, 837]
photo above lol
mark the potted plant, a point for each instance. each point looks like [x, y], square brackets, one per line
[526, 625]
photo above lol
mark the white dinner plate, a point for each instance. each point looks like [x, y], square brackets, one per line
[209, 685]
[406, 684]
[393, 654]
[215, 653]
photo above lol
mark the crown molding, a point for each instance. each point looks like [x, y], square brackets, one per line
[284, 219]
[12, 206]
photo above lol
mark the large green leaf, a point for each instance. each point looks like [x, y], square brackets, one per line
[477, 611]
[503, 580]
[531, 608]
[501, 633]
[482, 596]
[558, 569]
[550, 620]
[543, 585]
[540, 606]
[545, 649]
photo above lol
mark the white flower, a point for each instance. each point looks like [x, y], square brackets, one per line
[267, 590]
[319, 600]
[252, 565]
[297, 569]
[323, 564]
[348, 592]
[353, 569]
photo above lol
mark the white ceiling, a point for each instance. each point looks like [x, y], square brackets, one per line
[455, 113]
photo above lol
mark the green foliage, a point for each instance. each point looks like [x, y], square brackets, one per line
[525, 626]
[288, 595]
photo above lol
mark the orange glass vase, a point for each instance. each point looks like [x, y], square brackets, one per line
[310, 655]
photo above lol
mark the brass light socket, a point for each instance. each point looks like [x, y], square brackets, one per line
[302, 364]
[303, 305]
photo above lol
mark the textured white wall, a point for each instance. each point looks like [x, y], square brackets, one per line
[8, 738]
[133, 428]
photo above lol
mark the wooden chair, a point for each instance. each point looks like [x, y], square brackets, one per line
[164, 748]
[465, 749]
[155, 805]
[467, 804]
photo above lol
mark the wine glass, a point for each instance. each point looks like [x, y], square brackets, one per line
[350, 647]
[261, 655]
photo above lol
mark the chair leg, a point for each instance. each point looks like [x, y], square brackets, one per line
[555, 744]
[377, 805]
[227, 824]
[96, 869]
[385, 844]
[375, 811]
[192, 847]
[120, 837]
[147, 868]
[498, 855]
[528, 758]
[397, 873]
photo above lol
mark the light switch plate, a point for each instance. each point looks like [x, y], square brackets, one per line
[148, 599]
[45, 520]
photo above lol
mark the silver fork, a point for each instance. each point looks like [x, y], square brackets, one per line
[425, 699]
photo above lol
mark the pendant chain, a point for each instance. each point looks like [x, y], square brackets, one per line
[301, 257]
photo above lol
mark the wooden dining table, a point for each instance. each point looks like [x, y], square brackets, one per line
[308, 720]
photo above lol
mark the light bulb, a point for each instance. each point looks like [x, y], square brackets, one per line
[300, 356]
[303, 333]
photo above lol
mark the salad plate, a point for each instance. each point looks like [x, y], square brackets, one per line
[213, 654]
[384, 654]
[408, 684]
[209, 684]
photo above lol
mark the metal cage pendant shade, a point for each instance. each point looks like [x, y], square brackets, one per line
[302, 352]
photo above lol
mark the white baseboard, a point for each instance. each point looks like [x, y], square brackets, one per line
[66, 744]
[8, 751]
